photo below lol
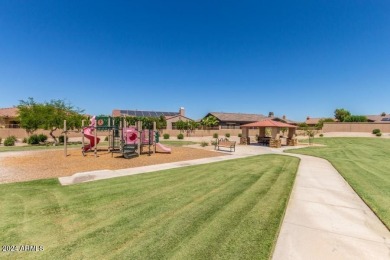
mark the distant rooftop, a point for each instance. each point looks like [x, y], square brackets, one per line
[124, 112]
[9, 112]
[143, 113]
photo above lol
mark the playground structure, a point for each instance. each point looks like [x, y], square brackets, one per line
[130, 141]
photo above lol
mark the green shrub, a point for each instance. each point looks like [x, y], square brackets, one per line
[14, 138]
[61, 138]
[166, 136]
[33, 139]
[0, 140]
[24, 140]
[378, 134]
[227, 135]
[106, 138]
[203, 144]
[213, 142]
[9, 141]
[180, 136]
[240, 135]
[215, 135]
[355, 118]
[42, 138]
[321, 135]
[375, 131]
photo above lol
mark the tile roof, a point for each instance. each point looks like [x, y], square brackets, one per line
[313, 121]
[9, 112]
[238, 117]
[379, 118]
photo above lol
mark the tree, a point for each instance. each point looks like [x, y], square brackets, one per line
[147, 122]
[31, 115]
[321, 122]
[210, 121]
[340, 114]
[311, 133]
[181, 125]
[191, 126]
[383, 114]
[49, 116]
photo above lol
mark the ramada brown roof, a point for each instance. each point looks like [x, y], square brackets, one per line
[9, 112]
[238, 117]
[269, 123]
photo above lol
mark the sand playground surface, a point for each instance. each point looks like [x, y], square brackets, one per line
[33, 165]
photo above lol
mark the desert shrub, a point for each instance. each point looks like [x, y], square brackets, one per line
[24, 140]
[9, 141]
[378, 134]
[240, 135]
[180, 136]
[166, 136]
[203, 144]
[213, 142]
[1, 140]
[227, 135]
[42, 138]
[61, 138]
[321, 135]
[33, 139]
[375, 131]
[215, 135]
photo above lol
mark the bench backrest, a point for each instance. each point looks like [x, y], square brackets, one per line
[228, 143]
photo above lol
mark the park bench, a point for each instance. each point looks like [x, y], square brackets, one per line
[264, 140]
[226, 143]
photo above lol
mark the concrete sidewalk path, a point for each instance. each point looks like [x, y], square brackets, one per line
[326, 219]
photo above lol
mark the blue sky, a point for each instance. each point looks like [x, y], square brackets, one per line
[295, 58]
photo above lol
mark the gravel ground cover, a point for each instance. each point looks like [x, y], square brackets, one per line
[32, 165]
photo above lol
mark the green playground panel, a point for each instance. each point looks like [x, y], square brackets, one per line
[104, 121]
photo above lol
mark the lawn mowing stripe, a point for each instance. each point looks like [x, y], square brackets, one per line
[185, 236]
[157, 218]
[190, 217]
[101, 224]
[223, 224]
[240, 243]
[103, 229]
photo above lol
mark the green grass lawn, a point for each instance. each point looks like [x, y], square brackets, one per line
[364, 163]
[34, 147]
[229, 210]
[44, 147]
[176, 143]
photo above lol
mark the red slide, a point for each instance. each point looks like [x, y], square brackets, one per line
[91, 137]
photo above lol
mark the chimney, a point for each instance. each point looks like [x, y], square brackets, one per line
[308, 118]
[182, 112]
[284, 117]
[270, 114]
